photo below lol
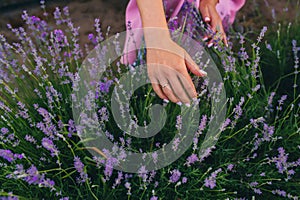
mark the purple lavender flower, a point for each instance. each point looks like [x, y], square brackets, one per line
[154, 198]
[104, 86]
[280, 102]
[103, 114]
[257, 191]
[7, 155]
[192, 159]
[30, 139]
[225, 124]
[281, 160]
[253, 184]
[279, 192]
[71, 128]
[79, 166]
[262, 34]
[210, 181]
[33, 176]
[154, 156]
[59, 35]
[49, 145]
[109, 166]
[175, 176]
[118, 179]
[178, 122]
[143, 173]
[4, 130]
[230, 167]
[175, 143]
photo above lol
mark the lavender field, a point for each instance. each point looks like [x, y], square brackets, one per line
[55, 104]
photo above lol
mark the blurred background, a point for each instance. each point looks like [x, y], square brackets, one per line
[254, 15]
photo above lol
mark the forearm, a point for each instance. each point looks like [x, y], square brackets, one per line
[153, 20]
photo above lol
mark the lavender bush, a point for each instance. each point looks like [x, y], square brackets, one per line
[41, 155]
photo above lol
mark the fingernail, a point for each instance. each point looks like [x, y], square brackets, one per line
[207, 19]
[210, 45]
[204, 73]
[166, 100]
[179, 103]
[205, 39]
[187, 105]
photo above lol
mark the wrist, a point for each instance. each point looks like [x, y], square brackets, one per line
[156, 37]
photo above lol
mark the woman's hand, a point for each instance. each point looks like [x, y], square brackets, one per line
[168, 65]
[212, 18]
[167, 62]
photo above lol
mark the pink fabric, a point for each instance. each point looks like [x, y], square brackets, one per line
[226, 8]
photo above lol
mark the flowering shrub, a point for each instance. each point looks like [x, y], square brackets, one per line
[41, 155]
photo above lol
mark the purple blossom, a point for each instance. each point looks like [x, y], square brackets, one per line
[71, 128]
[192, 159]
[262, 34]
[79, 166]
[154, 198]
[103, 114]
[206, 152]
[253, 184]
[175, 175]
[230, 167]
[154, 156]
[7, 155]
[210, 181]
[109, 166]
[268, 132]
[257, 191]
[279, 192]
[66, 11]
[269, 47]
[4, 130]
[175, 143]
[142, 172]
[225, 124]
[104, 86]
[184, 179]
[118, 179]
[92, 38]
[59, 35]
[49, 145]
[30, 139]
[280, 102]
[202, 123]
[281, 160]
[262, 174]
[33, 176]
[178, 122]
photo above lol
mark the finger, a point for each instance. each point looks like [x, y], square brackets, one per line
[179, 89]
[217, 26]
[154, 80]
[205, 14]
[192, 66]
[157, 89]
[224, 38]
[169, 93]
[188, 87]
[186, 82]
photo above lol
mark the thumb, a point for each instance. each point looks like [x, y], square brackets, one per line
[192, 66]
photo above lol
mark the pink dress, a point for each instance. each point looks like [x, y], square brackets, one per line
[226, 8]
